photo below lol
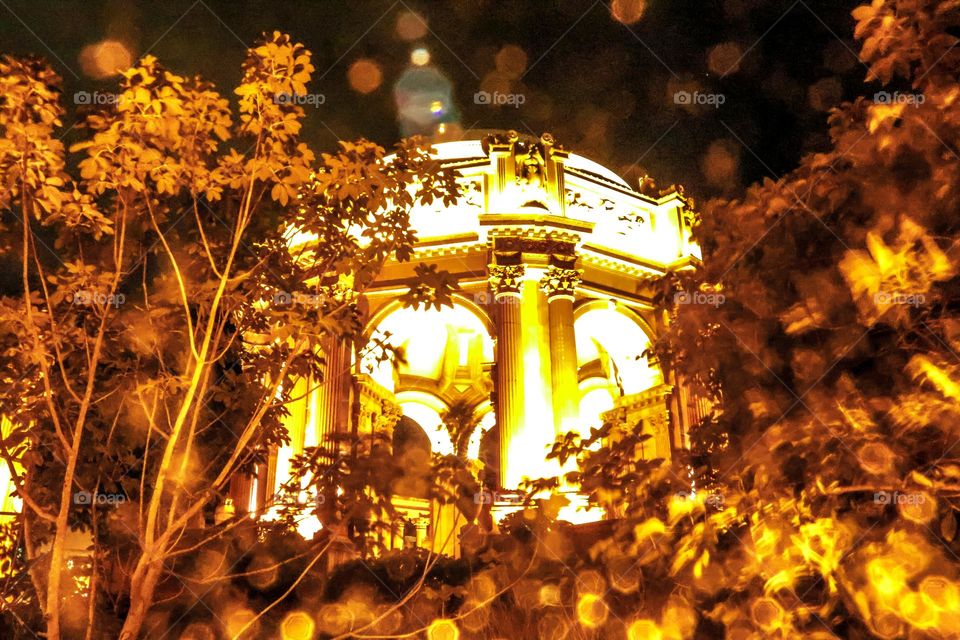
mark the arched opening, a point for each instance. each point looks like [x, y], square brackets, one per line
[611, 341]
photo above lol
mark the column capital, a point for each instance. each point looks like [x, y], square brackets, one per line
[505, 280]
[559, 283]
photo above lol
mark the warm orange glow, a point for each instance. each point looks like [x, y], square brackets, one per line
[443, 629]
[364, 76]
[592, 611]
[297, 626]
[105, 59]
[643, 630]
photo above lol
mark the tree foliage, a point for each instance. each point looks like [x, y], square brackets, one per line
[162, 320]
[817, 500]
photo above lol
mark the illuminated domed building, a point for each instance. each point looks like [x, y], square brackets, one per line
[556, 257]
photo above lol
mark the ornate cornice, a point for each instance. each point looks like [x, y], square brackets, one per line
[505, 280]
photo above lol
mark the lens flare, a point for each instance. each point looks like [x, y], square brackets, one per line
[364, 76]
[644, 630]
[297, 626]
[443, 629]
[592, 611]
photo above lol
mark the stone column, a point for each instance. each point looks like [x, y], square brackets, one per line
[560, 285]
[524, 380]
[505, 281]
[332, 395]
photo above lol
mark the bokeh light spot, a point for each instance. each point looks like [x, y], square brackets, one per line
[721, 164]
[364, 76]
[105, 59]
[443, 629]
[420, 56]
[411, 26]
[511, 61]
[724, 58]
[627, 11]
[643, 630]
[592, 611]
[297, 626]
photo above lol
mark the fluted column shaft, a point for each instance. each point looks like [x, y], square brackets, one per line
[332, 395]
[563, 364]
[506, 282]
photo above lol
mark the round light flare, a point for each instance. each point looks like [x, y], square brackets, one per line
[624, 574]
[628, 11]
[475, 616]
[724, 58]
[298, 625]
[592, 611]
[420, 56]
[105, 59]
[919, 610]
[411, 26]
[943, 593]
[436, 107]
[364, 76]
[721, 163]
[553, 627]
[237, 621]
[549, 595]
[591, 581]
[482, 587]
[886, 624]
[920, 507]
[336, 619]
[644, 630]
[262, 572]
[766, 613]
[876, 458]
[443, 629]
[511, 61]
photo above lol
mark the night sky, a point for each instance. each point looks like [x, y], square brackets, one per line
[604, 88]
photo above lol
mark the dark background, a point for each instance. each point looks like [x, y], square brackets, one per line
[603, 88]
